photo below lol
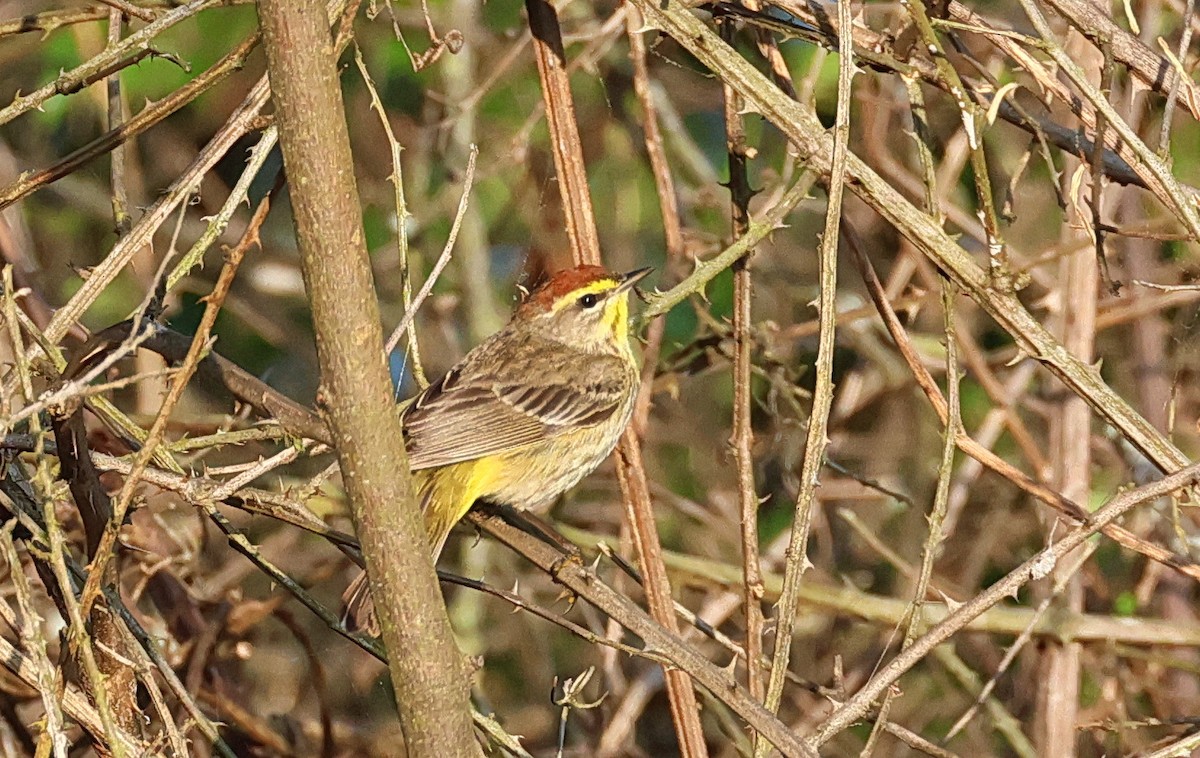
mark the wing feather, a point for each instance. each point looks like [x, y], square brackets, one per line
[463, 417]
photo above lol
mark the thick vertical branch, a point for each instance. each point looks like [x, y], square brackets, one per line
[428, 673]
[1071, 457]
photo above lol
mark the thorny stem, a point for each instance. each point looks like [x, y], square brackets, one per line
[584, 582]
[214, 302]
[708, 270]
[402, 219]
[560, 117]
[104, 273]
[78, 638]
[135, 45]
[803, 128]
[941, 497]
[816, 440]
[1169, 188]
[1035, 567]
[973, 123]
[150, 115]
[237, 197]
[741, 437]
[973, 448]
[1185, 40]
[1008, 620]
[410, 312]
[28, 628]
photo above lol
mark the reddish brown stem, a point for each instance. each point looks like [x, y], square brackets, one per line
[581, 227]
[564, 131]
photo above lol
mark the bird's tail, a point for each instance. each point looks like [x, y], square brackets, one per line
[358, 608]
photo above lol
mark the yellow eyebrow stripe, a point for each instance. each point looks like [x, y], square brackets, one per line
[595, 288]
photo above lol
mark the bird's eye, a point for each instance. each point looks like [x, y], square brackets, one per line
[589, 300]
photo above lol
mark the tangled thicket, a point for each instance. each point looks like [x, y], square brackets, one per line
[927, 401]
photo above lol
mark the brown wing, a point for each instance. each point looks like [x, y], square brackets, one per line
[461, 418]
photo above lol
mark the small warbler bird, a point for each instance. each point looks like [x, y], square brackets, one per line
[526, 414]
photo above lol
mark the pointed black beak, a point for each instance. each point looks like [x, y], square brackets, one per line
[632, 278]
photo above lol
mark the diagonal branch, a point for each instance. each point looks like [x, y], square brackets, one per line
[814, 144]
